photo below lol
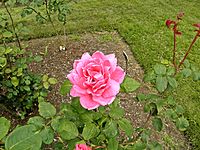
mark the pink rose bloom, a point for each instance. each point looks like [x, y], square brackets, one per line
[82, 147]
[96, 79]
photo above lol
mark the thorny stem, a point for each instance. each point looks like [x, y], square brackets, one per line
[190, 47]
[65, 36]
[144, 126]
[97, 147]
[49, 16]
[13, 26]
[174, 52]
[139, 134]
[37, 12]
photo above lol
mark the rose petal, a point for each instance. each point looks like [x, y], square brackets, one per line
[82, 147]
[99, 55]
[112, 60]
[112, 90]
[85, 56]
[79, 68]
[103, 100]
[71, 76]
[88, 103]
[79, 90]
[118, 75]
[74, 92]
[76, 80]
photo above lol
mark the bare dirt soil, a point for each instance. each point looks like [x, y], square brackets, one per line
[57, 63]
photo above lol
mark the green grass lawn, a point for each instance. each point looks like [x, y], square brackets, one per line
[142, 25]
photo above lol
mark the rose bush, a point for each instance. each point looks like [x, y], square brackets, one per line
[82, 147]
[96, 79]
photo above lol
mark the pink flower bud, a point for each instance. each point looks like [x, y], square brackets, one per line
[82, 147]
[197, 25]
[169, 23]
[180, 15]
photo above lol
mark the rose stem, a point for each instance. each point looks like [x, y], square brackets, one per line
[186, 54]
[174, 51]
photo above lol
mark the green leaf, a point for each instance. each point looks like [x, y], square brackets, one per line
[130, 85]
[14, 81]
[165, 62]
[11, 3]
[116, 113]
[186, 72]
[138, 146]
[160, 69]
[144, 97]
[7, 34]
[155, 146]
[55, 122]
[86, 117]
[62, 17]
[179, 110]
[67, 129]
[19, 71]
[23, 1]
[161, 83]
[170, 71]
[172, 82]
[112, 144]
[47, 135]
[2, 51]
[196, 76]
[38, 58]
[24, 138]
[65, 87]
[89, 131]
[61, 146]
[27, 82]
[4, 127]
[8, 50]
[115, 103]
[52, 80]
[76, 105]
[157, 123]
[160, 103]
[8, 70]
[27, 88]
[126, 126]
[110, 129]
[141, 97]
[3, 62]
[46, 85]
[46, 110]
[71, 144]
[186, 63]
[41, 99]
[170, 113]
[149, 76]
[182, 124]
[44, 78]
[37, 121]
[151, 108]
[145, 136]
[171, 100]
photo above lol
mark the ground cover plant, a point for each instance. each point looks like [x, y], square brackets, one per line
[125, 28]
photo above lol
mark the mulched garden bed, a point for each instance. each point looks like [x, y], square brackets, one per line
[57, 63]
